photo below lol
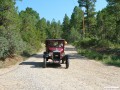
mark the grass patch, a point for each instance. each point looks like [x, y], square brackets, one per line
[105, 58]
[101, 50]
[112, 60]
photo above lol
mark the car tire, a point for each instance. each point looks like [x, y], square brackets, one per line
[62, 61]
[67, 62]
[44, 63]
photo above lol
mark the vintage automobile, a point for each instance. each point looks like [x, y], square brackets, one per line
[55, 52]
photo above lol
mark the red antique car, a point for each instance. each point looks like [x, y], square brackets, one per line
[55, 52]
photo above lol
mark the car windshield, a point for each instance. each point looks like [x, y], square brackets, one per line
[55, 43]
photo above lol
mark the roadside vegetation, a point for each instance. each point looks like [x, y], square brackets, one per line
[101, 37]
[23, 33]
[96, 35]
[99, 50]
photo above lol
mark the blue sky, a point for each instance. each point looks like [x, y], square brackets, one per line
[56, 9]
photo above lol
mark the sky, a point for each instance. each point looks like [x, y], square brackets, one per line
[56, 9]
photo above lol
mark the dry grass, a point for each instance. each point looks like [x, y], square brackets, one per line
[10, 61]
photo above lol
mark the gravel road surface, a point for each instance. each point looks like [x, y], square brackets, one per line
[83, 74]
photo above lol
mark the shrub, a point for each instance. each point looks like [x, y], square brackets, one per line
[16, 44]
[91, 54]
[32, 39]
[74, 35]
[112, 60]
[29, 50]
[107, 59]
[86, 42]
[4, 47]
[104, 43]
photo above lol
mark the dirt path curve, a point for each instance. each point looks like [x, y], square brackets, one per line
[83, 74]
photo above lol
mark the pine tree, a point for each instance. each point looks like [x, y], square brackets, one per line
[29, 32]
[90, 12]
[106, 25]
[55, 30]
[42, 27]
[66, 28]
[114, 9]
[77, 19]
[108, 22]
[74, 35]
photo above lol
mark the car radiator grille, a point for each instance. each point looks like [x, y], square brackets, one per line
[56, 55]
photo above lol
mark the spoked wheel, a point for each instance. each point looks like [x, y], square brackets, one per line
[44, 63]
[62, 61]
[67, 62]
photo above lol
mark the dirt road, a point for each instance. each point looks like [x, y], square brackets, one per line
[83, 74]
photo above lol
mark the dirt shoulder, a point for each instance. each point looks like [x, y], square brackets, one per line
[83, 74]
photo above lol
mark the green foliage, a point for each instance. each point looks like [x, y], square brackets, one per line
[16, 44]
[74, 35]
[112, 2]
[90, 20]
[90, 54]
[13, 26]
[9, 29]
[108, 25]
[104, 43]
[42, 27]
[66, 28]
[29, 50]
[108, 22]
[72, 28]
[112, 60]
[29, 17]
[87, 42]
[4, 47]
[107, 59]
[76, 19]
[55, 30]
[94, 42]
[29, 31]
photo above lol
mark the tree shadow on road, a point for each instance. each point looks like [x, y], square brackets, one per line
[32, 64]
[75, 56]
[38, 56]
[49, 64]
[40, 64]
[69, 49]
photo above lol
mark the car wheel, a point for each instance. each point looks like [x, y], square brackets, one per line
[44, 63]
[62, 61]
[67, 62]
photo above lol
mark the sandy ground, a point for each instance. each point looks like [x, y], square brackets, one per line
[83, 74]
